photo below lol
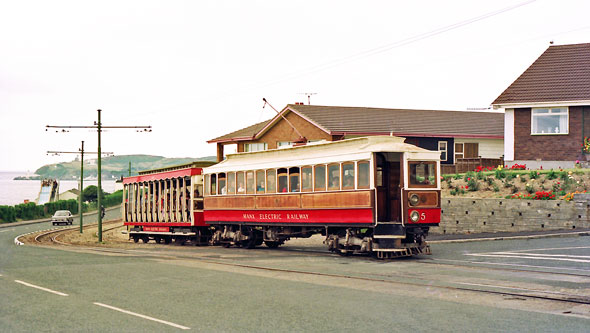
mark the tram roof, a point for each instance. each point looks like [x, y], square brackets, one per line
[174, 171]
[318, 153]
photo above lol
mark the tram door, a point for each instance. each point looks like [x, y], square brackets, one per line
[387, 183]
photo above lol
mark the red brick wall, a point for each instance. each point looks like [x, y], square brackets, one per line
[282, 131]
[547, 147]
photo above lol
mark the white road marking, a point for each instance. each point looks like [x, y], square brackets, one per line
[517, 265]
[6, 230]
[500, 255]
[143, 316]
[544, 255]
[555, 248]
[41, 288]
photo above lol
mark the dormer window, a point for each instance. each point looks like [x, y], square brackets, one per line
[549, 121]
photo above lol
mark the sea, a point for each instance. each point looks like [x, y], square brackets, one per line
[13, 192]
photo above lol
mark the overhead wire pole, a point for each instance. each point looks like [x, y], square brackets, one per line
[81, 152]
[99, 127]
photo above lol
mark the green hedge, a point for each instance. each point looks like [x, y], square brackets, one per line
[31, 211]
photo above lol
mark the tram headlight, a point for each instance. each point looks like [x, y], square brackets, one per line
[414, 199]
[414, 216]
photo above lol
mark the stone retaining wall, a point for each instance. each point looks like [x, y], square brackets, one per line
[471, 215]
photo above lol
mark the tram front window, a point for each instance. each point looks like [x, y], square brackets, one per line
[422, 174]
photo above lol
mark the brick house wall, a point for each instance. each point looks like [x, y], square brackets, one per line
[564, 147]
[282, 131]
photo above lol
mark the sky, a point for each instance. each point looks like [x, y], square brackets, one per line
[195, 70]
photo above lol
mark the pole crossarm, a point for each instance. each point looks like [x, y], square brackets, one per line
[96, 126]
[78, 152]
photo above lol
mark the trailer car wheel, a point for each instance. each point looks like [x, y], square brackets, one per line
[145, 239]
[135, 239]
[167, 240]
[157, 239]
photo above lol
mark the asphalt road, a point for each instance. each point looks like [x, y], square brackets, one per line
[171, 288]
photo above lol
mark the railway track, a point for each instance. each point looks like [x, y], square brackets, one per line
[51, 236]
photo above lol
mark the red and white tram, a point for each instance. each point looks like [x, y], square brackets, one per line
[166, 204]
[372, 194]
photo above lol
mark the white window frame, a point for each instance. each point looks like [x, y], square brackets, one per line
[284, 144]
[553, 111]
[445, 150]
[252, 147]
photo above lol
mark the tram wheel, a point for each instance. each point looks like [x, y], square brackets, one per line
[145, 239]
[158, 239]
[250, 243]
[135, 239]
[167, 240]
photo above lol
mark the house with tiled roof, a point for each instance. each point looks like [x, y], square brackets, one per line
[547, 109]
[457, 134]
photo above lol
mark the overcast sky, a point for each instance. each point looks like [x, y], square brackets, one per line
[195, 70]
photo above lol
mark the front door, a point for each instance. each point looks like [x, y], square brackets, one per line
[388, 189]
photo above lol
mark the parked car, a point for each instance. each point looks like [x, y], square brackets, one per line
[62, 217]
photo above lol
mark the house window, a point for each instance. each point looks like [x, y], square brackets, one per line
[442, 147]
[283, 144]
[549, 121]
[249, 147]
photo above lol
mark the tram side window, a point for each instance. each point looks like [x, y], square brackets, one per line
[283, 180]
[231, 183]
[294, 179]
[348, 176]
[333, 177]
[363, 174]
[207, 182]
[306, 179]
[241, 182]
[213, 183]
[260, 182]
[422, 174]
[320, 178]
[222, 184]
[250, 182]
[271, 181]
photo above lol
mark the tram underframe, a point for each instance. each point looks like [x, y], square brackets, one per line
[342, 240]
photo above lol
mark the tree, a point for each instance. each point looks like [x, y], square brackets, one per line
[90, 194]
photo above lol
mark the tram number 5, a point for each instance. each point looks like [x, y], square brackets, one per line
[422, 216]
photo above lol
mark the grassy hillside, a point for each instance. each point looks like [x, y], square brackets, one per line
[112, 167]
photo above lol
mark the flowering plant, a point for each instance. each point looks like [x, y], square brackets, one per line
[586, 145]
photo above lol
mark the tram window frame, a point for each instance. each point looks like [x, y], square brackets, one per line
[306, 171]
[331, 175]
[213, 189]
[351, 168]
[250, 182]
[240, 179]
[207, 188]
[427, 183]
[282, 172]
[221, 183]
[366, 172]
[260, 182]
[294, 179]
[231, 183]
[317, 180]
[271, 174]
